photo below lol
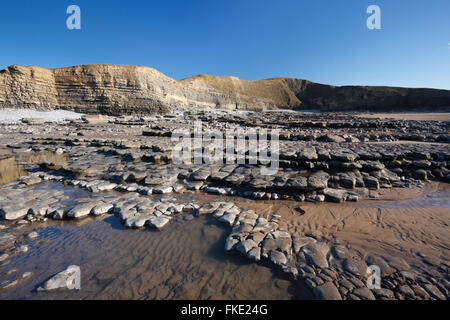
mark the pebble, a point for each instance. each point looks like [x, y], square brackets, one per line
[157, 222]
[8, 284]
[22, 249]
[66, 279]
[32, 235]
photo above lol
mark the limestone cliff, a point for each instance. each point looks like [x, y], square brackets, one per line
[117, 89]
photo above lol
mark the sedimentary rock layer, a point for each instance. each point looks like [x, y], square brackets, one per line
[118, 89]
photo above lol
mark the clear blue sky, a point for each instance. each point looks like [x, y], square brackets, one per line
[322, 41]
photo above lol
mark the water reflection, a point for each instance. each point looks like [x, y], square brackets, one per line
[186, 260]
[10, 169]
[14, 166]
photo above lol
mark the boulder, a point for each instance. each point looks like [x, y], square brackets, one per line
[245, 246]
[316, 254]
[308, 154]
[327, 291]
[335, 195]
[364, 293]
[318, 180]
[277, 258]
[81, 210]
[255, 254]
[355, 266]
[13, 212]
[157, 222]
[67, 279]
[102, 209]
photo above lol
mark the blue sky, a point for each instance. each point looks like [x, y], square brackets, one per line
[322, 41]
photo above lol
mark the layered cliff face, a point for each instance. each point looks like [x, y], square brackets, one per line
[87, 89]
[114, 89]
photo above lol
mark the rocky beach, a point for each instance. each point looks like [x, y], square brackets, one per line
[224, 159]
[104, 193]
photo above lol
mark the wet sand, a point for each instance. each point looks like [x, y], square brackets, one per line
[420, 116]
[186, 260]
[403, 223]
